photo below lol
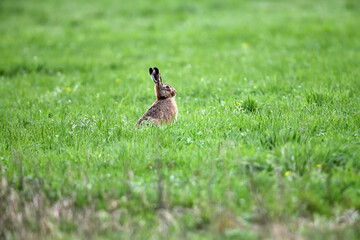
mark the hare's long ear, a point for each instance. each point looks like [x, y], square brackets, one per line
[152, 75]
[155, 75]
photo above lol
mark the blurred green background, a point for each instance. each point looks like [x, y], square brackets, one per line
[267, 140]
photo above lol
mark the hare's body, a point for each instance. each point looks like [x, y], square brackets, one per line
[163, 110]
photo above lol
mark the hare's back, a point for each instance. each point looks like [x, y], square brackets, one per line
[162, 111]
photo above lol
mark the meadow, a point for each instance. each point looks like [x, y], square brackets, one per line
[266, 145]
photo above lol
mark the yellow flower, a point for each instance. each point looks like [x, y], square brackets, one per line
[237, 103]
[318, 165]
[287, 173]
[68, 89]
[244, 45]
[117, 80]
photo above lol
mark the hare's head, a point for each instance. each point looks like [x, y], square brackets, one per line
[162, 90]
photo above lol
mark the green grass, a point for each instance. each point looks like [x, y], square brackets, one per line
[267, 138]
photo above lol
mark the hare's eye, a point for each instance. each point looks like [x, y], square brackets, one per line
[167, 87]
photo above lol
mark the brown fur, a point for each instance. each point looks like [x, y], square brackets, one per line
[163, 110]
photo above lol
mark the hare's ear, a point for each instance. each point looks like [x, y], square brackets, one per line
[156, 70]
[157, 75]
[152, 75]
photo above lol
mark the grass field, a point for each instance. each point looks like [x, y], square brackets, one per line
[266, 145]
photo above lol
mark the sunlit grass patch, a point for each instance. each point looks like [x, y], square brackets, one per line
[318, 98]
[247, 105]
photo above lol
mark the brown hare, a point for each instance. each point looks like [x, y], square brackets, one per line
[164, 110]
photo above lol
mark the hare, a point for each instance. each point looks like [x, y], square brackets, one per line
[163, 110]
